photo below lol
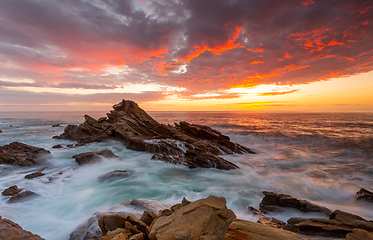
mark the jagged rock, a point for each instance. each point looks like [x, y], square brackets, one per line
[131, 125]
[10, 191]
[21, 154]
[208, 217]
[365, 195]
[359, 234]
[94, 157]
[57, 146]
[34, 175]
[116, 174]
[117, 234]
[241, 229]
[148, 217]
[271, 222]
[12, 231]
[134, 208]
[140, 225]
[111, 222]
[22, 196]
[338, 225]
[275, 201]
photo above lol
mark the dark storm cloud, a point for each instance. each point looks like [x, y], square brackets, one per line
[204, 46]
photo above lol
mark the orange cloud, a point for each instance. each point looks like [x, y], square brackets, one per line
[256, 62]
[307, 2]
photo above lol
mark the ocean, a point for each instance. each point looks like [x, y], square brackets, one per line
[322, 157]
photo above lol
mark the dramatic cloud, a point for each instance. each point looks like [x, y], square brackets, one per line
[189, 49]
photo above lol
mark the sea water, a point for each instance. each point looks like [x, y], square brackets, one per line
[322, 157]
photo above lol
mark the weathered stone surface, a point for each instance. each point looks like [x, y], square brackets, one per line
[94, 157]
[57, 146]
[338, 225]
[134, 208]
[271, 222]
[131, 125]
[140, 225]
[117, 234]
[359, 234]
[274, 201]
[365, 195]
[34, 175]
[21, 154]
[22, 196]
[12, 231]
[148, 217]
[111, 222]
[241, 229]
[113, 175]
[10, 191]
[206, 218]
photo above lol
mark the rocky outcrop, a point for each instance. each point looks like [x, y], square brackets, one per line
[34, 175]
[365, 195]
[338, 225]
[134, 208]
[207, 217]
[241, 229]
[113, 175]
[94, 157]
[22, 196]
[12, 231]
[21, 154]
[10, 191]
[359, 234]
[275, 201]
[131, 125]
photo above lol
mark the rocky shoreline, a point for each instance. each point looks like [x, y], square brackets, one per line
[207, 218]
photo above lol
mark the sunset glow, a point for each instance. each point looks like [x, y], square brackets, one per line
[299, 55]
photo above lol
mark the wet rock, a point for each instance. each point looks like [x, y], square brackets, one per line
[21, 154]
[276, 201]
[365, 195]
[359, 234]
[94, 157]
[22, 196]
[113, 175]
[338, 225]
[111, 222]
[34, 175]
[57, 146]
[10, 191]
[241, 229]
[1, 131]
[207, 217]
[131, 125]
[134, 208]
[56, 125]
[148, 217]
[12, 231]
[271, 222]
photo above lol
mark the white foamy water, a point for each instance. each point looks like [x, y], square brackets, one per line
[324, 158]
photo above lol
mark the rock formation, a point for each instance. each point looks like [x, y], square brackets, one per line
[34, 175]
[182, 143]
[207, 217]
[94, 157]
[113, 175]
[21, 154]
[10, 191]
[365, 195]
[12, 231]
[338, 225]
[241, 229]
[275, 201]
[22, 196]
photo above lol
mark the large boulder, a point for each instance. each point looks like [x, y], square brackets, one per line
[338, 225]
[206, 218]
[131, 125]
[21, 154]
[275, 201]
[365, 195]
[113, 175]
[22, 196]
[94, 157]
[10, 191]
[134, 208]
[12, 231]
[241, 229]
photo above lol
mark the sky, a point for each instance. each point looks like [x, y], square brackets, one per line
[187, 55]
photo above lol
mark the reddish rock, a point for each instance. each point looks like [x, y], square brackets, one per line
[148, 217]
[10, 191]
[12, 231]
[22, 196]
[131, 125]
[111, 222]
[21, 154]
[94, 157]
[365, 195]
